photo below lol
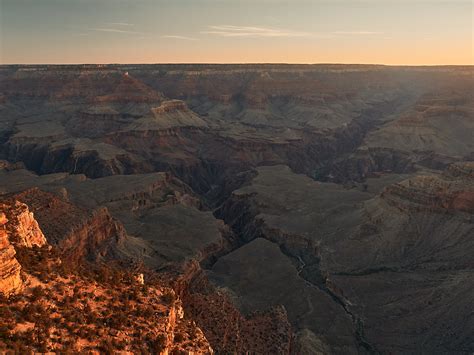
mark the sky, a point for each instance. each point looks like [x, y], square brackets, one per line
[392, 32]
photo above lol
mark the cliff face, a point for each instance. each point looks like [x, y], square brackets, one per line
[177, 326]
[430, 194]
[23, 227]
[451, 192]
[10, 279]
[93, 238]
[81, 234]
[227, 328]
[75, 156]
[18, 229]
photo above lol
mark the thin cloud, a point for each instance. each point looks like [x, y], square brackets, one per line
[114, 30]
[119, 24]
[251, 31]
[357, 33]
[184, 38]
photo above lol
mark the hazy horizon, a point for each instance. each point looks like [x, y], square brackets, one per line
[238, 63]
[387, 32]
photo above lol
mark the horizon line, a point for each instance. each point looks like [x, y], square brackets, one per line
[239, 63]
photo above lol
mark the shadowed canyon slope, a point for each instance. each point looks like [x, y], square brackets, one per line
[291, 208]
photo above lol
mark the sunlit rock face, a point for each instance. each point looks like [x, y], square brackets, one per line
[18, 228]
[10, 279]
[23, 226]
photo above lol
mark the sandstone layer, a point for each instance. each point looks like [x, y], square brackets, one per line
[10, 269]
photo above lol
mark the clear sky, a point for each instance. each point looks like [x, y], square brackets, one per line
[230, 31]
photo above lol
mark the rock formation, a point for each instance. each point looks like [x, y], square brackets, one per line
[42, 272]
[10, 278]
[19, 229]
[286, 208]
[415, 231]
[23, 227]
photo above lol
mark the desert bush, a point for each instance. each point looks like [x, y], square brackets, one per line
[37, 293]
[4, 332]
[106, 346]
[192, 333]
[158, 344]
[168, 297]
[179, 337]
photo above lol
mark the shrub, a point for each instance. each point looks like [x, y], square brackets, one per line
[37, 293]
[168, 297]
[178, 337]
[106, 346]
[158, 344]
[4, 332]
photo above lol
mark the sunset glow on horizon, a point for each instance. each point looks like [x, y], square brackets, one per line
[391, 32]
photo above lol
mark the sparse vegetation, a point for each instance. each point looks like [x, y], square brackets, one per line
[71, 308]
[168, 298]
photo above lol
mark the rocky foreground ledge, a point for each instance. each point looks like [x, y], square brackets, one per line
[50, 304]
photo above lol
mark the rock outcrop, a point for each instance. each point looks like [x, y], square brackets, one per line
[23, 227]
[18, 229]
[81, 234]
[109, 303]
[10, 269]
[230, 330]
[432, 193]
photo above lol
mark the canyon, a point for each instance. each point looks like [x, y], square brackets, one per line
[288, 209]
